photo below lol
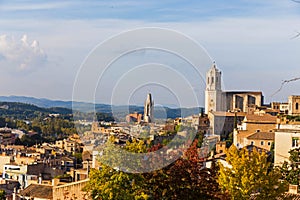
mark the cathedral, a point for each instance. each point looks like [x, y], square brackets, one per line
[218, 100]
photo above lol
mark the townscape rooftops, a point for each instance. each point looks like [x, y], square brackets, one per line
[228, 114]
[262, 136]
[265, 118]
[38, 191]
[244, 92]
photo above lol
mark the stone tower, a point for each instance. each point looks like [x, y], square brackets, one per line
[213, 91]
[148, 109]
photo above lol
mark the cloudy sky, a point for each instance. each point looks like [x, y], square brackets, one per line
[44, 43]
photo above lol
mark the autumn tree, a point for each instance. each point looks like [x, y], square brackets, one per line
[186, 178]
[248, 173]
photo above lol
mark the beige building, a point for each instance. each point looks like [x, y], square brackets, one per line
[282, 107]
[134, 117]
[285, 140]
[261, 122]
[222, 123]
[56, 191]
[294, 105]
[70, 191]
[218, 100]
[259, 139]
[257, 130]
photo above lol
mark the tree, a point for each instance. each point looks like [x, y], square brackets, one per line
[111, 183]
[291, 170]
[186, 178]
[249, 174]
[2, 195]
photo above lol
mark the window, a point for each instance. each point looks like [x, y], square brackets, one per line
[295, 142]
[207, 80]
[297, 106]
[212, 80]
[262, 142]
[252, 142]
[269, 143]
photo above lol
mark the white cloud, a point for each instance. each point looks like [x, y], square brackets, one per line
[33, 6]
[20, 55]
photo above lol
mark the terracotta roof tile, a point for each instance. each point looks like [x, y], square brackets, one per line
[38, 191]
[228, 114]
[262, 136]
[266, 118]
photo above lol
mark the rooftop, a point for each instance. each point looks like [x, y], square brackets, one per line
[38, 191]
[261, 118]
[228, 114]
[262, 136]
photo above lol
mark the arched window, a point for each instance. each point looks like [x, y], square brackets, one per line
[212, 80]
[207, 80]
[297, 106]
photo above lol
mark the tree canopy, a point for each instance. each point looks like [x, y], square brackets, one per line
[249, 173]
[186, 178]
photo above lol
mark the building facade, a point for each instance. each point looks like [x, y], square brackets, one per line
[218, 100]
[148, 109]
[294, 105]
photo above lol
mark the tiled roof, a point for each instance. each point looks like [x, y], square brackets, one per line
[244, 92]
[285, 196]
[266, 118]
[38, 191]
[262, 136]
[228, 114]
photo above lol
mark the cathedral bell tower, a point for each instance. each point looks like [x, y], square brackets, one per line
[148, 109]
[213, 91]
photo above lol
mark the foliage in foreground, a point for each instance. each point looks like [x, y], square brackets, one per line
[183, 179]
[291, 170]
[249, 174]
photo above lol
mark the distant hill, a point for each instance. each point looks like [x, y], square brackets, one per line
[26, 111]
[57, 106]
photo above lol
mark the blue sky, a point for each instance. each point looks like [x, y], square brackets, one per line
[249, 39]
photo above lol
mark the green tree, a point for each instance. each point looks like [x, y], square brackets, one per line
[110, 182]
[2, 195]
[291, 170]
[249, 174]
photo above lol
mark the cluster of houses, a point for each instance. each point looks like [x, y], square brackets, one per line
[47, 171]
[52, 171]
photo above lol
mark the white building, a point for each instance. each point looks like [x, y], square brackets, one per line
[286, 139]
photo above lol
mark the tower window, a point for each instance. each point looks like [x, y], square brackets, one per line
[212, 80]
[217, 79]
[295, 142]
[207, 80]
[297, 106]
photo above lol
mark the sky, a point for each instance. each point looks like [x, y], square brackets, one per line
[44, 44]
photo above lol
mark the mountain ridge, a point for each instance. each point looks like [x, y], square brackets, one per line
[159, 112]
